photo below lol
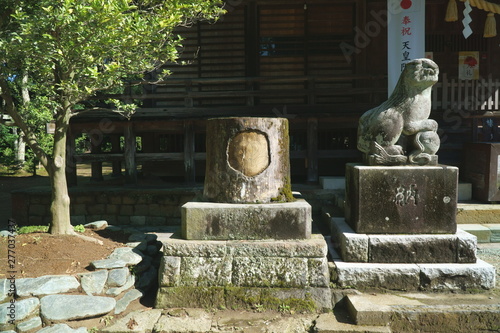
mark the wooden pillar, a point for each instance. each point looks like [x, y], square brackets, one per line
[115, 148]
[189, 167]
[71, 178]
[129, 154]
[96, 167]
[312, 150]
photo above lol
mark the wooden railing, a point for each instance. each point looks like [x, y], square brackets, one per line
[474, 96]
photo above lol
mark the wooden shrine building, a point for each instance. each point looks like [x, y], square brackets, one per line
[319, 63]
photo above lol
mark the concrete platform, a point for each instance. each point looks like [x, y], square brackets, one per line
[459, 247]
[477, 213]
[221, 221]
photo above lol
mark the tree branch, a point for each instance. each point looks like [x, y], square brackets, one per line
[29, 135]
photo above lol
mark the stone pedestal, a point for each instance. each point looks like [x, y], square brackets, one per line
[223, 221]
[402, 199]
[243, 274]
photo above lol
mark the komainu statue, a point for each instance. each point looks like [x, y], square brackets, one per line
[405, 112]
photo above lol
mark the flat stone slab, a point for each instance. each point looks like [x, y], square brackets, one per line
[459, 247]
[223, 221]
[18, 310]
[137, 321]
[46, 285]
[479, 275]
[401, 199]
[71, 307]
[62, 328]
[418, 312]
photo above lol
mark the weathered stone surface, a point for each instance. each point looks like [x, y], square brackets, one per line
[458, 276]
[221, 221]
[45, 285]
[182, 248]
[314, 247]
[94, 282]
[247, 160]
[413, 249]
[129, 297]
[141, 246]
[401, 200]
[4, 289]
[117, 277]
[467, 247]
[142, 321]
[200, 271]
[482, 233]
[147, 279]
[62, 328]
[190, 320]
[29, 324]
[18, 310]
[126, 254]
[369, 275]
[97, 225]
[318, 272]
[118, 290]
[107, 264]
[353, 246]
[169, 271]
[70, 307]
[328, 323]
[270, 272]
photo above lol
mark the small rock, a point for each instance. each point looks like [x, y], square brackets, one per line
[141, 246]
[152, 250]
[94, 282]
[143, 265]
[198, 321]
[29, 324]
[70, 307]
[137, 321]
[107, 264]
[117, 277]
[62, 328]
[7, 233]
[46, 285]
[126, 254]
[118, 290]
[4, 289]
[18, 310]
[129, 297]
[97, 225]
[147, 278]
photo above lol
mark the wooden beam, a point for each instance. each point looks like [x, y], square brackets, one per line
[189, 165]
[129, 154]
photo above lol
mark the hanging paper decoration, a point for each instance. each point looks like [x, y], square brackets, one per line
[451, 11]
[467, 20]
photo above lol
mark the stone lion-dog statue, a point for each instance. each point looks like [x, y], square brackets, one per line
[405, 113]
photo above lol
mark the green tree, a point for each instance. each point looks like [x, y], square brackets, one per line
[69, 50]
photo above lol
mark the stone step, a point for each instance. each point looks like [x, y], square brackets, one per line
[485, 233]
[429, 312]
[339, 322]
[478, 213]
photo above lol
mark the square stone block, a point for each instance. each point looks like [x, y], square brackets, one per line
[224, 221]
[401, 199]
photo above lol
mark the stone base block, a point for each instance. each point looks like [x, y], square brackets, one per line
[297, 299]
[219, 266]
[459, 247]
[479, 275]
[223, 221]
[401, 200]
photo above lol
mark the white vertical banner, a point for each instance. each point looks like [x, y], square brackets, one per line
[405, 36]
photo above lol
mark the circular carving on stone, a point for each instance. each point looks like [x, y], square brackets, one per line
[248, 153]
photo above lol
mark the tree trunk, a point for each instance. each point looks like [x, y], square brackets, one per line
[60, 209]
[247, 160]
